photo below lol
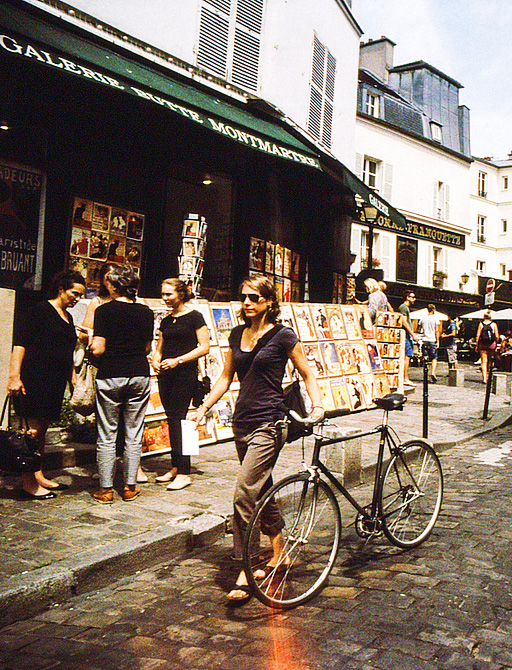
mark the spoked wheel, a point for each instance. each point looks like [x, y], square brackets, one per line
[310, 517]
[412, 493]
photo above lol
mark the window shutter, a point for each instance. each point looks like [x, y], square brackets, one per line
[212, 53]
[321, 107]
[385, 254]
[388, 181]
[435, 213]
[246, 57]
[428, 266]
[446, 202]
[359, 165]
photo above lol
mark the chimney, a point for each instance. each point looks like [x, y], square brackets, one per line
[376, 56]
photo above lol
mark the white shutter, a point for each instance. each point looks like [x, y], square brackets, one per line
[246, 46]
[355, 243]
[428, 266]
[212, 51]
[436, 205]
[359, 165]
[447, 202]
[385, 254]
[388, 181]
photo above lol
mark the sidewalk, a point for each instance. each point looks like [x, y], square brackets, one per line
[54, 549]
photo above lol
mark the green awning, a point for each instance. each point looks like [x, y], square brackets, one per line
[43, 42]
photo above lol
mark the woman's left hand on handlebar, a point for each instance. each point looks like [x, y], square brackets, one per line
[316, 414]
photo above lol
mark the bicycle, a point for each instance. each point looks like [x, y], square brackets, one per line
[406, 501]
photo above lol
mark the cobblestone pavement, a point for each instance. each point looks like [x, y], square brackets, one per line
[444, 605]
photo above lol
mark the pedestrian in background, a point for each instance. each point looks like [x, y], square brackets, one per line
[383, 287]
[377, 301]
[41, 365]
[487, 338]
[123, 332]
[448, 341]
[182, 339]
[431, 327]
[258, 421]
[410, 335]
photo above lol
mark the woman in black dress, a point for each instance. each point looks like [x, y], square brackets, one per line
[182, 339]
[41, 366]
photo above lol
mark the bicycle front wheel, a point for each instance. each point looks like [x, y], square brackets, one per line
[306, 548]
[411, 494]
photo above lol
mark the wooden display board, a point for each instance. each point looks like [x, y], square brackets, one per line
[354, 360]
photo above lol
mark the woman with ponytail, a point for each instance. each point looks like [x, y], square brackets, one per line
[123, 332]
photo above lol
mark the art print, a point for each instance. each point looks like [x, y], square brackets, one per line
[374, 356]
[116, 250]
[118, 220]
[287, 290]
[314, 358]
[135, 226]
[347, 362]
[269, 257]
[295, 271]
[365, 321]
[287, 263]
[305, 327]
[101, 217]
[336, 324]
[133, 253]
[223, 321]
[278, 259]
[257, 254]
[331, 358]
[326, 397]
[320, 321]
[223, 416]
[351, 323]
[286, 317]
[82, 213]
[79, 245]
[340, 394]
[381, 385]
[360, 354]
[355, 392]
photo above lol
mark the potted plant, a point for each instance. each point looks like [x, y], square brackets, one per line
[438, 277]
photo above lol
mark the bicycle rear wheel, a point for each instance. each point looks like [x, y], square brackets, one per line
[411, 494]
[310, 540]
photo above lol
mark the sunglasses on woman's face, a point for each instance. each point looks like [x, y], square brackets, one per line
[253, 297]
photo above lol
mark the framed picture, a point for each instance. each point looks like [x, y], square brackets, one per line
[98, 245]
[326, 394]
[278, 260]
[365, 321]
[101, 217]
[118, 219]
[336, 324]
[331, 358]
[190, 246]
[222, 413]
[223, 321]
[279, 286]
[381, 385]
[374, 355]
[257, 254]
[156, 437]
[79, 244]
[287, 263]
[269, 257]
[82, 213]
[212, 364]
[190, 228]
[366, 384]
[355, 392]
[304, 322]
[351, 322]
[347, 362]
[135, 226]
[320, 321]
[155, 404]
[80, 265]
[287, 290]
[360, 354]
[133, 253]
[314, 358]
[295, 271]
[204, 309]
[286, 317]
[340, 394]
[116, 250]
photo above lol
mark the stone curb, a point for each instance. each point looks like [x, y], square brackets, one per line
[25, 595]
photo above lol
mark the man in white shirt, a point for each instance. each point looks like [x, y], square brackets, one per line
[431, 326]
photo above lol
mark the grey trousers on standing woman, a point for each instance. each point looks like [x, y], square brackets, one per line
[116, 395]
[258, 448]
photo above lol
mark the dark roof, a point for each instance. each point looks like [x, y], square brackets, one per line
[423, 65]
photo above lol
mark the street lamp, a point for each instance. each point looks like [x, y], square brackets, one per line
[464, 278]
[370, 216]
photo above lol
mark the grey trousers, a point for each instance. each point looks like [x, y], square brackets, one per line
[258, 449]
[130, 396]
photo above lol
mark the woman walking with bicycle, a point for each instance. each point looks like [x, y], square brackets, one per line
[258, 352]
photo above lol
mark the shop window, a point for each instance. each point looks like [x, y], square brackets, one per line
[321, 102]
[229, 40]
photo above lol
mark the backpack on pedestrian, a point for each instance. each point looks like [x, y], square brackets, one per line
[487, 336]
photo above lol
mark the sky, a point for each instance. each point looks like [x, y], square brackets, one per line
[468, 40]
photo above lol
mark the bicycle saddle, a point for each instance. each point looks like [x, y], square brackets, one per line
[391, 401]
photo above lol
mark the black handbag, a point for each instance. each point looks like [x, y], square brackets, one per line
[18, 448]
[293, 400]
[201, 390]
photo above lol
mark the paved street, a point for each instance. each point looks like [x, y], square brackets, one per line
[446, 604]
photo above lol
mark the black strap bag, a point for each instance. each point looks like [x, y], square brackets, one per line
[18, 448]
[293, 400]
[201, 390]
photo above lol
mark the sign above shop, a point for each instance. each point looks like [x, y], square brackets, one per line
[260, 135]
[422, 231]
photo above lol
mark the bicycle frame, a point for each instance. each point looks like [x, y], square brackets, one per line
[386, 437]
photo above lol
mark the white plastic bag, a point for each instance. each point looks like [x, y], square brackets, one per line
[189, 438]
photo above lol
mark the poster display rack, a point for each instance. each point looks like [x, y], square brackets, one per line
[354, 360]
[193, 245]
